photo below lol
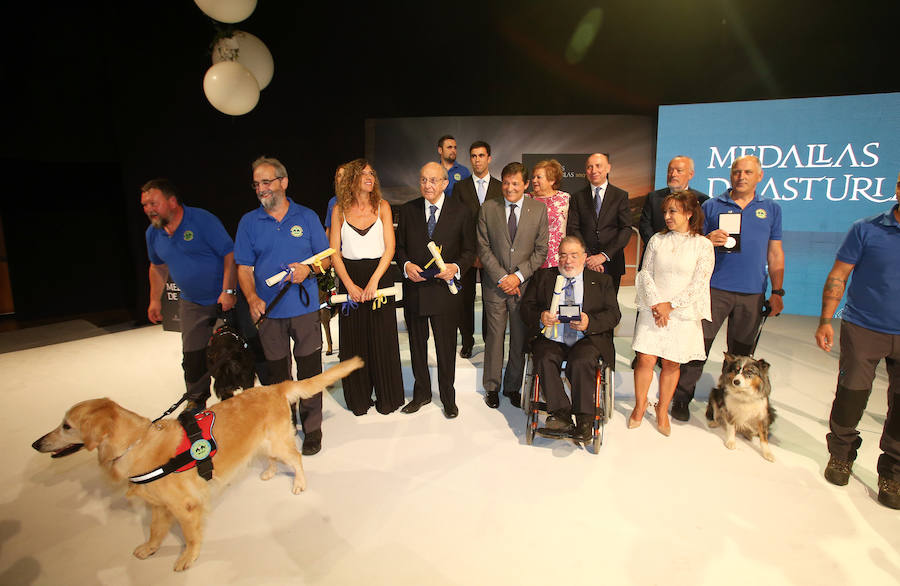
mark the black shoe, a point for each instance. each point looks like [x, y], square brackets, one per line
[557, 426]
[465, 352]
[680, 411]
[492, 399]
[584, 431]
[838, 471]
[451, 411]
[414, 406]
[889, 492]
[514, 397]
[312, 443]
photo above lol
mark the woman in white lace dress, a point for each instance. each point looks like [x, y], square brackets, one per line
[672, 299]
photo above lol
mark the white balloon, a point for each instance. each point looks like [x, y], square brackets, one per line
[227, 10]
[231, 88]
[250, 52]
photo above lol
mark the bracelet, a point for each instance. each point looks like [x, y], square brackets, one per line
[230, 291]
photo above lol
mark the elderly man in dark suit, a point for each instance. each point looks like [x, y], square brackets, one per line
[434, 217]
[581, 342]
[474, 191]
[512, 244]
[678, 177]
[600, 215]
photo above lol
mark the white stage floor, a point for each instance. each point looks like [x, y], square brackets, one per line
[417, 499]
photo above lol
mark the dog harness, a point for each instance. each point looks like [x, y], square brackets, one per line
[197, 447]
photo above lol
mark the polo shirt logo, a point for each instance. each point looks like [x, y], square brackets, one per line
[188, 235]
[296, 231]
[457, 176]
[761, 214]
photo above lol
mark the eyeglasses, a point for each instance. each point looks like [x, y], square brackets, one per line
[254, 185]
[430, 180]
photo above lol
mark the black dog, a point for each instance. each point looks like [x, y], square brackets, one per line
[231, 362]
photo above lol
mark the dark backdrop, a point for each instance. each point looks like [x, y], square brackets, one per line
[100, 96]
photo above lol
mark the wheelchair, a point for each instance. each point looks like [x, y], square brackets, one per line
[533, 402]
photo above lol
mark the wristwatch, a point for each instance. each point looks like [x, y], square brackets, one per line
[778, 292]
[230, 291]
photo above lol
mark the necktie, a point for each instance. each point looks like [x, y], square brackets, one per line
[432, 220]
[511, 223]
[481, 190]
[570, 336]
[597, 201]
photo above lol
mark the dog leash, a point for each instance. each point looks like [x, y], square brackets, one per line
[766, 312]
[286, 284]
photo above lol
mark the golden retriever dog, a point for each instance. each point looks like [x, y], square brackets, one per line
[129, 445]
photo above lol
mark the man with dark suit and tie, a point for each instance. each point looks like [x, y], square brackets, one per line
[678, 177]
[474, 191]
[581, 342]
[600, 215]
[512, 244]
[434, 217]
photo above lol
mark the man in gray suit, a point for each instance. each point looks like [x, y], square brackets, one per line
[512, 244]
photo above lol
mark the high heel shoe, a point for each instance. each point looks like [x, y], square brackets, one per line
[635, 421]
[664, 426]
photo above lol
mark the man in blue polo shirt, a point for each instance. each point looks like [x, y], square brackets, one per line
[192, 245]
[743, 267]
[275, 236]
[447, 154]
[870, 331]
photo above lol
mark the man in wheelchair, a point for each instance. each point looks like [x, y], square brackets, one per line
[579, 331]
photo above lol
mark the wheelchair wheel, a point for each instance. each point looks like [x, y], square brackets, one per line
[609, 395]
[598, 438]
[531, 411]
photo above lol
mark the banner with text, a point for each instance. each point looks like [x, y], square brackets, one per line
[826, 161]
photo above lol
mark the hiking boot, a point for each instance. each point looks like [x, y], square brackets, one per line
[838, 471]
[889, 492]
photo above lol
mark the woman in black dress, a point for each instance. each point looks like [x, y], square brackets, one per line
[362, 231]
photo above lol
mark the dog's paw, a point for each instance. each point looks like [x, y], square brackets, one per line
[768, 455]
[730, 444]
[145, 550]
[298, 487]
[712, 423]
[267, 474]
[184, 561]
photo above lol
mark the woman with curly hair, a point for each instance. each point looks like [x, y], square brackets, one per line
[362, 231]
[545, 180]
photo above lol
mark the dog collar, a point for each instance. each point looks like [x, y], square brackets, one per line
[197, 448]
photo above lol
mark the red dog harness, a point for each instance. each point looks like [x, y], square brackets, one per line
[196, 449]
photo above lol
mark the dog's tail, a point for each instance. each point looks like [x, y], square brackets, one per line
[309, 387]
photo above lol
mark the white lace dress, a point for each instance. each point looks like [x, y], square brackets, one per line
[676, 268]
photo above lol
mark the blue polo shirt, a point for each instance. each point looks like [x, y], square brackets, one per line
[455, 173]
[873, 246]
[331, 204]
[266, 244]
[744, 271]
[195, 254]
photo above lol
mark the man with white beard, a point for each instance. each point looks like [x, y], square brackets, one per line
[581, 342]
[277, 235]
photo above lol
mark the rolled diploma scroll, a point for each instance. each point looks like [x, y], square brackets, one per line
[439, 261]
[311, 260]
[395, 291]
[554, 301]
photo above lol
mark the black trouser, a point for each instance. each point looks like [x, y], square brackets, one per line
[307, 366]
[467, 315]
[581, 370]
[744, 313]
[861, 351]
